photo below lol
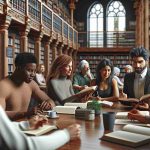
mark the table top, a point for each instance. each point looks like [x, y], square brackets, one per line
[91, 132]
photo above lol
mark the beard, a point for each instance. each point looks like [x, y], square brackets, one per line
[139, 70]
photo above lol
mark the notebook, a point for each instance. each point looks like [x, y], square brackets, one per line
[42, 130]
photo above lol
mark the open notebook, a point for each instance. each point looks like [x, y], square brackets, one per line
[42, 130]
[130, 135]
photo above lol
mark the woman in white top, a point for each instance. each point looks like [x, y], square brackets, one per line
[40, 79]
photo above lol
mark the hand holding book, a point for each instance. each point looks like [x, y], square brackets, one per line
[132, 101]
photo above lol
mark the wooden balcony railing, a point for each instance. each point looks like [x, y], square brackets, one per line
[107, 39]
[39, 14]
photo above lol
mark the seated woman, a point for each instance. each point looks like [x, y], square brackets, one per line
[39, 77]
[59, 82]
[11, 138]
[107, 85]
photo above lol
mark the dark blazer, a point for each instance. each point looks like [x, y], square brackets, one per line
[129, 84]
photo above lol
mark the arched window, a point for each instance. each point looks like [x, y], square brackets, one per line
[95, 26]
[116, 22]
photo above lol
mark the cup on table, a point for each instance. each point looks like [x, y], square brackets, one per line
[52, 114]
[108, 120]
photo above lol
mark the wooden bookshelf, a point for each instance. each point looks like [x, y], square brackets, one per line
[12, 50]
[31, 46]
[119, 58]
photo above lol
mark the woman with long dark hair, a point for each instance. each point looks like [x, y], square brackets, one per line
[107, 88]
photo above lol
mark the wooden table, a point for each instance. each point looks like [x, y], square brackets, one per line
[91, 132]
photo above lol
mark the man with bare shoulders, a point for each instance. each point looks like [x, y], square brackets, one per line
[16, 90]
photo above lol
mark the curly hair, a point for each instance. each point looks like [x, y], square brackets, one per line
[139, 52]
[24, 58]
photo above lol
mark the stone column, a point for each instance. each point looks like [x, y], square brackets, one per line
[47, 57]
[24, 41]
[72, 8]
[38, 49]
[24, 30]
[60, 48]
[74, 57]
[3, 50]
[65, 49]
[53, 47]
[70, 51]
[146, 18]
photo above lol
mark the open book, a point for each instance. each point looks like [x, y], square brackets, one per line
[130, 135]
[122, 118]
[42, 130]
[84, 105]
[81, 94]
[129, 101]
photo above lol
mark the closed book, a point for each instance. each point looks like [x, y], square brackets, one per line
[65, 109]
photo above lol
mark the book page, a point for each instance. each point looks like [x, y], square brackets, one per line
[108, 103]
[65, 109]
[81, 105]
[128, 121]
[91, 88]
[42, 130]
[80, 95]
[137, 129]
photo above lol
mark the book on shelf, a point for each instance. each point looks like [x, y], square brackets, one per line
[130, 135]
[134, 100]
[81, 94]
[122, 118]
[41, 130]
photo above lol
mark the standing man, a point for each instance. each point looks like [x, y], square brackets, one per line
[82, 79]
[137, 83]
[17, 89]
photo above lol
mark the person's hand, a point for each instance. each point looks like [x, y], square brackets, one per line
[122, 94]
[74, 131]
[143, 106]
[136, 115]
[47, 105]
[37, 121]
[34, 111]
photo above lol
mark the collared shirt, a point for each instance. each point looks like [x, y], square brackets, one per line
[139, 83]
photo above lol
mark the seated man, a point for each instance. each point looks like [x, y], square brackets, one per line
[12, 138]
[83, 78]
[16, 90]
[137, 83]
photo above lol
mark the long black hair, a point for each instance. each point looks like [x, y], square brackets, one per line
[103, 63]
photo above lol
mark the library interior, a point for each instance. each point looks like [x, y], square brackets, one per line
[90, 30]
